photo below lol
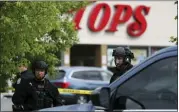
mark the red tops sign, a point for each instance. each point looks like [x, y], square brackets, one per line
[134, 29]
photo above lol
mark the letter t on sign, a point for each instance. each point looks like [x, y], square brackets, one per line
[78, 17]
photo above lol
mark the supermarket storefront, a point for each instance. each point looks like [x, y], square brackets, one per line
[145, 27]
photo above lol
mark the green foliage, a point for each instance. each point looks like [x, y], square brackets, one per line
[174, 40]
[31, 30]
[3, 83]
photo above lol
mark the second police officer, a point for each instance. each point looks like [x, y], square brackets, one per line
[122, 58]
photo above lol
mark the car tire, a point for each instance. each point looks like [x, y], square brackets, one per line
[81, 99]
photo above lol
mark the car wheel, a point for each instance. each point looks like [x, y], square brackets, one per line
[81, 99]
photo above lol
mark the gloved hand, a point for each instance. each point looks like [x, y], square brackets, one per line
[18, 108]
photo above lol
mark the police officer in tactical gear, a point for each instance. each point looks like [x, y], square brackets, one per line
[36, 93]
[122, 58]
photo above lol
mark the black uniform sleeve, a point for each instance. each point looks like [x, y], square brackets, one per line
[58, 99]
[120, 72]
[19, 95]
[113, 78]
[53, 91]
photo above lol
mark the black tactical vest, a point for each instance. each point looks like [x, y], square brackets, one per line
[44, 99]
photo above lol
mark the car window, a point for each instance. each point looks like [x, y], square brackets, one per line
[79, 75]
[94, 75]
[106, 76]
[155, 86]
[87, 75]
[59, 74]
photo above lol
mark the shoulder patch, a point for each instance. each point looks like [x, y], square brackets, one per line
[19, 81]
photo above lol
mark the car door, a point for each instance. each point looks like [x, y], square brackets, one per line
[106, 76]
[94, 79]
[87, 79]
[155, 86]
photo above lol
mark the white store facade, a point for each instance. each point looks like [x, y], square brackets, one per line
[104, 25]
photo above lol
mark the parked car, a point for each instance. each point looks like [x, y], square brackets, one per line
[72, 79]
[152, 84]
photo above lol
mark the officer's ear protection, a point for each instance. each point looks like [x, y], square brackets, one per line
[129, 55]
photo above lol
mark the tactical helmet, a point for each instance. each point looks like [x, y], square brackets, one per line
[125, 52]
[39, 65]
[129, 54]
[119, 51]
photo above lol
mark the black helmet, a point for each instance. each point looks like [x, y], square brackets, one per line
[39, 65]
[125, 52]
[119, 51]
[129, 54]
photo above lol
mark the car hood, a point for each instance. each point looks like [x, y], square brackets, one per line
[76, 107]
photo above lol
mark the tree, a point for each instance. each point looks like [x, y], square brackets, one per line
[172, 38]
[31, 30]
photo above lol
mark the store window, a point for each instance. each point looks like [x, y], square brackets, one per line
[155, 49]
[110, 58]
[140, 54]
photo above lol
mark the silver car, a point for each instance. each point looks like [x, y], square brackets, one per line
[80, 78]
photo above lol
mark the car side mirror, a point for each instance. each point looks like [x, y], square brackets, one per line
[101, 97]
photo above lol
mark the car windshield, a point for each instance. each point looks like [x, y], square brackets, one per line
[58, 75]
[154, 86]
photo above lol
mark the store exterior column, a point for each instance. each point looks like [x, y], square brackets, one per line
[101, 59]
[104, 57]
[67, 57]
